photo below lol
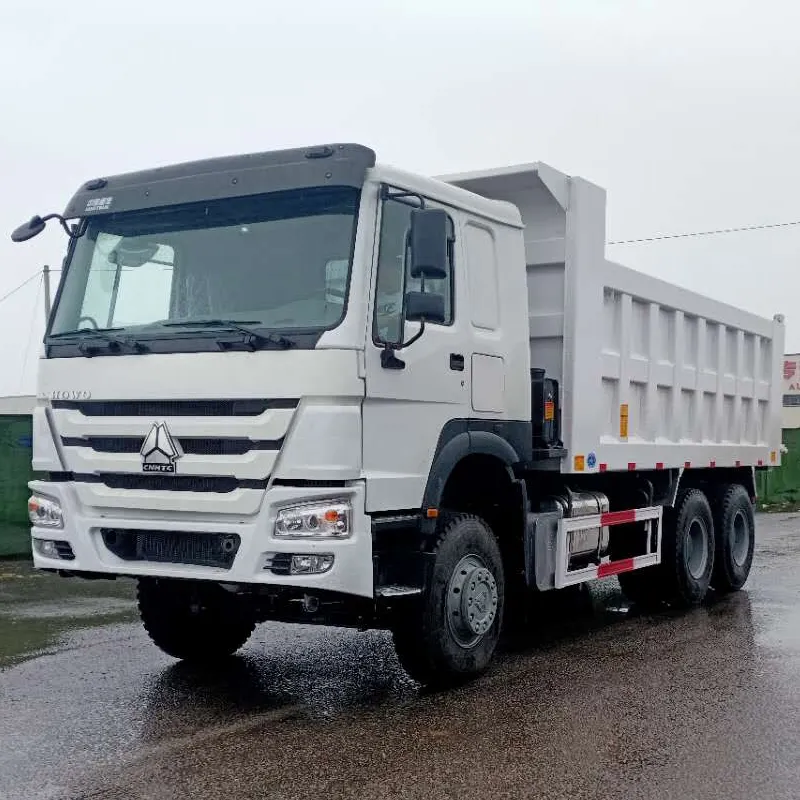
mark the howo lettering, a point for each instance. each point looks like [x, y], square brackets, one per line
[310, 388]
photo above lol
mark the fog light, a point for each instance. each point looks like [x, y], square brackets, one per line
[47, 548]
[311, 564]
[45, 513]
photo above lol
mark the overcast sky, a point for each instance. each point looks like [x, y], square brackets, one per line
[686, 111]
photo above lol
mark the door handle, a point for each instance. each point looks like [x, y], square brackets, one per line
[457, 362]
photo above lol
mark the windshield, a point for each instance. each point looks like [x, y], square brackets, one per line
[279, 261]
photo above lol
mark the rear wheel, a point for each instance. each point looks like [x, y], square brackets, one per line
[735, 540]
[193, 621]
[687, 557]
[452, 636]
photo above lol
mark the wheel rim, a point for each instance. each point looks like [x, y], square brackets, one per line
[697, 549]
[472, 600]
[740, 539]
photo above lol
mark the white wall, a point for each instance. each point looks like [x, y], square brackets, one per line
[21, 405]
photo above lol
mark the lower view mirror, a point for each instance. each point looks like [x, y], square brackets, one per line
[425, 307]
[133, 253]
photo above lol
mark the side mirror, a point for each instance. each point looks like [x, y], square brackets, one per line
[425, 307]
[32, 228]
[429, 232]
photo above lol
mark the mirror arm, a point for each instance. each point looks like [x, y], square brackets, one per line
[65, 226]
[388, 358]
[415, 337]
[387, 193]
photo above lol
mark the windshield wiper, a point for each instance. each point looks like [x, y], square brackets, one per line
[253, 339]
[110, 342]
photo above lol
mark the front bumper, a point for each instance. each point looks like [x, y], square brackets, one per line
[351, 573]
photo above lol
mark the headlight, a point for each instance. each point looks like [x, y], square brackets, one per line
[324, 520]
[45, 513]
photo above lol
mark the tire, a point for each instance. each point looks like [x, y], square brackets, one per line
[193, 621]
[683, 577]
[735, 525]
[687, 550]
[452, 636]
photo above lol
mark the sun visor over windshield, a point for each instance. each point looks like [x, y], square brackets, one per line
[233, 176]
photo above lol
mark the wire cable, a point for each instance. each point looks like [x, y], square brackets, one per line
[23, 284]
[30, 332]
[718, 232]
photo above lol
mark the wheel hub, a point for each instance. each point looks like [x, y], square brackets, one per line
[472, 600]
[740, 539]
[696, 549]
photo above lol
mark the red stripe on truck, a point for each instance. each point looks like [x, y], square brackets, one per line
[631, 465]
[615, 567]
[618, 517]
[659, 465]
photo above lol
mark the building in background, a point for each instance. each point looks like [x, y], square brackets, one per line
[791, 391]
[781, 487]
[15, 471]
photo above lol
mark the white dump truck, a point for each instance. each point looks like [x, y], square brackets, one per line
[301, 386]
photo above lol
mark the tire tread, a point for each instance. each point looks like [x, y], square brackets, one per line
[208, 637]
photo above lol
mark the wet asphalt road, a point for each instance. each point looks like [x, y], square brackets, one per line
[601, 702]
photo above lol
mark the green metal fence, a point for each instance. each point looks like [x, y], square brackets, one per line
[780, 487]
[15, 472]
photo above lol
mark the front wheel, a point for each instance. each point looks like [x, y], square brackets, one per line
[452, 636]
[192, 620]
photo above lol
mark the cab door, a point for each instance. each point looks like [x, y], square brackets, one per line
[409, 403]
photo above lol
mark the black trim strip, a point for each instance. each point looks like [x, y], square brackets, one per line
[397, 520]
[174, 408]
[310, 484]
[219, 484]
[196, 446]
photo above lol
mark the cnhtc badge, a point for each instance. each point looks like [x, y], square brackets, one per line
[160, 451]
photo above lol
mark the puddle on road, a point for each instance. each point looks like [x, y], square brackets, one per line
[38, 609]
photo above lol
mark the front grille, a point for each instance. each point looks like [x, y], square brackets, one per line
[156, 482]
[178, 483]
[173, 547]
[195, 446]
[173, 408]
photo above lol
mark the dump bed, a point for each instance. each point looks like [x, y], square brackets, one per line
[651, 375]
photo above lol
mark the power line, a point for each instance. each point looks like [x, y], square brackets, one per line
[30, 333]
[707, 233]
[23, 284]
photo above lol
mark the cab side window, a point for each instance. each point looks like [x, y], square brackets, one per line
[393, 280]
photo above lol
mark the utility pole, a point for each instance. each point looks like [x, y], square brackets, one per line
[46, 275]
